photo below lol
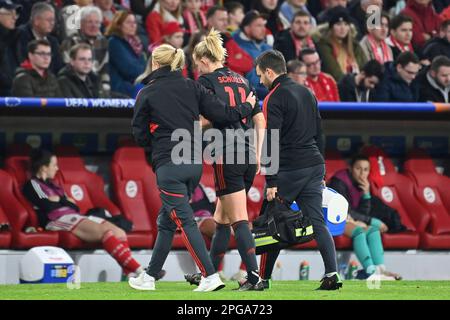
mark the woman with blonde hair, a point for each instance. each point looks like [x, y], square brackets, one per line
[169, 106]
[340, 52]
[126, 53]
[233, 178]
[164, 11]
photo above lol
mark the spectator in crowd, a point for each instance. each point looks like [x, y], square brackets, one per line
[401, 35]
[163, 12]
[435, 84]
[9, 12]
[297, 71]
[339, 50]
[90, 22]
[290, 7]
[235, 15]
[397, 84]
[58, 212]
[109, 9]
[69, 16]
[292, 41]
[425, 20]
[41, 24]
[360, 87]
[127, 60]
[359, 11]
[76, 79]
[190, 69]
[441, 5]
[374, 43]
[194, 18]
[33, 78]
[362, 227]
[251, 38]
[237, 59]
[321, 84]
[324, 16]
[270, 10]
[439, 45]
[172, 34]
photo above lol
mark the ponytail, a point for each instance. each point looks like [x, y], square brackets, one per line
[211, 47]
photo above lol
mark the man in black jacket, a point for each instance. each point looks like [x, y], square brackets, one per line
[438, 46]
[435, 83]
[291, 110]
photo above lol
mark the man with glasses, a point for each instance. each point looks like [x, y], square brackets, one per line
[296, 70]
[33, 78]
[321, 84]
[41, 24]
[398, 85]
[9, 12]
[77, 80]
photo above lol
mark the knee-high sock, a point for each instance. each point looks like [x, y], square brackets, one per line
[219, 244]
[375, 245]
[362, 250]
[267, 263]
[120, 252]
[246, 248]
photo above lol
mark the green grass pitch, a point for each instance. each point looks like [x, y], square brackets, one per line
[281, 290]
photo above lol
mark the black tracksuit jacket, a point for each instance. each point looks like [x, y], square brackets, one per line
[169, 102]
[292, 109]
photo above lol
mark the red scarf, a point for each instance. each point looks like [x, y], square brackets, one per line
[299, 44]
[401, 47]
[387, 54]
[194, 23]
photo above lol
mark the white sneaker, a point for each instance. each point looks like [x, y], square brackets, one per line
[239, 276]
[380, 277]
[142, 282]
[211, 283]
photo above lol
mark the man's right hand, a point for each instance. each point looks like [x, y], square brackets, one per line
[251, 99]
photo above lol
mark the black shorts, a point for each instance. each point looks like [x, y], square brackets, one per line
[230, 178]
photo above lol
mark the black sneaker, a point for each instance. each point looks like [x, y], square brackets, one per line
[160, 275]
[193, 278]
[267, 283]
[331, 283]
[247, 286]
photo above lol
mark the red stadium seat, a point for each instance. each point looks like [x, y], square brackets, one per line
[14, 206]
[135, 191]
[333, 163]
[432, 191]
[397, 191]
[5, 236]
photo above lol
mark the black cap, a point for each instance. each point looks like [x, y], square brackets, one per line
[339, 14]
[9, 5]
[251, 16]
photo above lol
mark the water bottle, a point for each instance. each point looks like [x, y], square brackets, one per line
[304, 270]
[381, 166]
[352, 270]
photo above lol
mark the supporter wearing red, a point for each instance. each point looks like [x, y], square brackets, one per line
[164, 11]
[76, 79]
[270, 10]
[363, 226]
[235, 15]
[238, 59]
[172, 34]
[358, 11]
[374, 43]
[321, 84]
[292, 41]
[251, 38]
[434, 84]
[33, 78]
[401, 35]
[167, 103]
[324, 16]
[439, 45]
[398, 83]
[361, 87]
[126, 53]
[9, 13]
[89, 32]
[40, 26]
[290, 7]
[425, 20]
[338, 48]
[58, 212]
[296, 70]
[194, 18]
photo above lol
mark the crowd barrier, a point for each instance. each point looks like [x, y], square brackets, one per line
[15, 102]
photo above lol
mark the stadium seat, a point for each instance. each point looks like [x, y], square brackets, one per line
[135, 191]
[397, 191]
[432, 191]
[12, 204]
[5, 235]
[333, 163]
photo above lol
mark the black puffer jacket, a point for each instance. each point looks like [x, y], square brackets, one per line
[29, 83]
